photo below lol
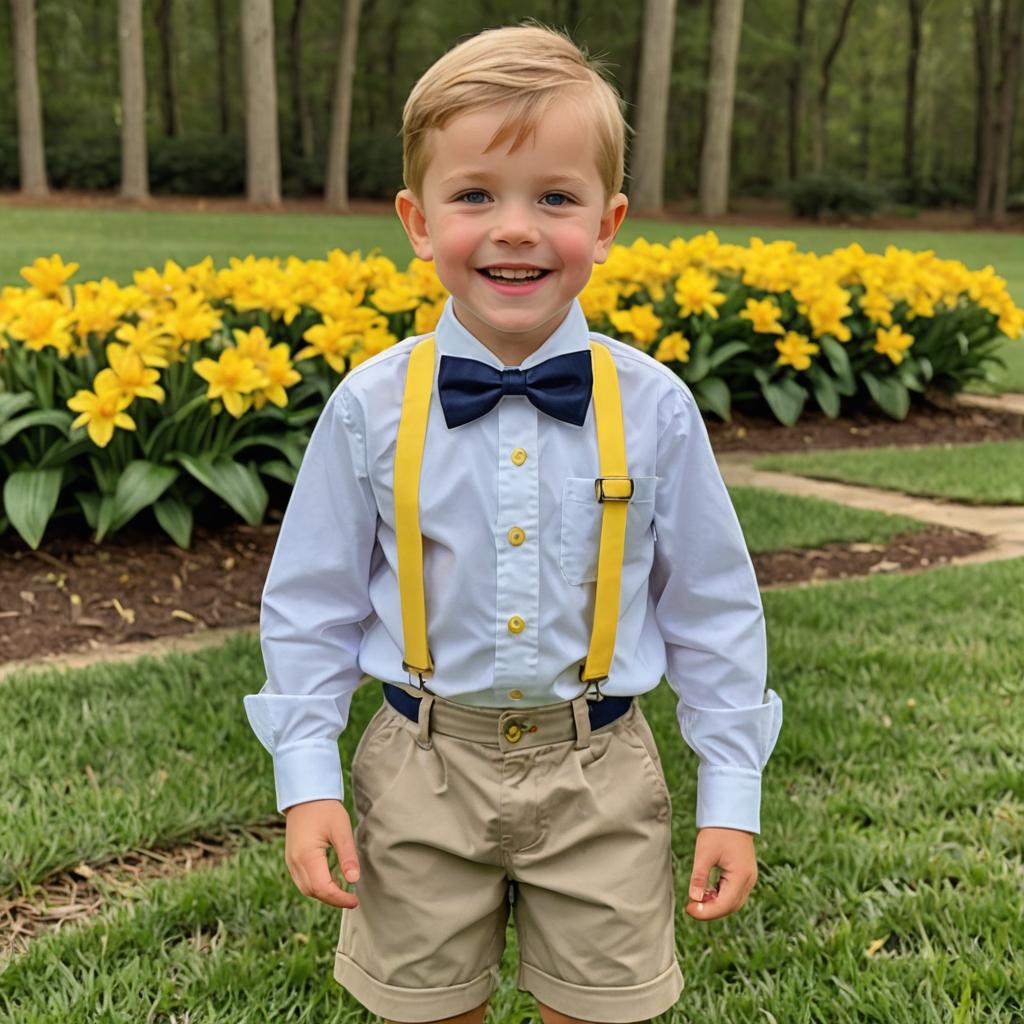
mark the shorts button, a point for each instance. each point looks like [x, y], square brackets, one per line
[516, 624]
[518, 456]
[516, 536]
[513, 733]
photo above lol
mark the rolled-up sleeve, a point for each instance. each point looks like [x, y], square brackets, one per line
[315, 597]
[709, 612]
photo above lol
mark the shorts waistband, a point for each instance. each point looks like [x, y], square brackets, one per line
[508, 728]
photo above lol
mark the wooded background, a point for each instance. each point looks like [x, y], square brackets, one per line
[919, 96]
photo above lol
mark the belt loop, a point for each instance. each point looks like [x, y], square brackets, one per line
[581, 713]
[423, 734]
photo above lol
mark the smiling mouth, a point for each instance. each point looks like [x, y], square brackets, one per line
[513, 277]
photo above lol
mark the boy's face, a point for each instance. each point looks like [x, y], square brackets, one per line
[540, 207]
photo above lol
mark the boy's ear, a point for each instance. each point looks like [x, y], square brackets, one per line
[617, 206]
[415, 223]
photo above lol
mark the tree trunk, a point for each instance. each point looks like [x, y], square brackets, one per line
[302, 119]
[714, 157]
[983, 55]
[168, 80]
[796, 91]
[262, 150]
[31, 155]
[223, 98]
[821, 107]
[1011, 34]
[910, 104]
[648, 164]
[134, 171]
[341, 114]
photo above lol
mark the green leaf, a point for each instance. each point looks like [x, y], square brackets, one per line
[713, 393]
[175, 517]
[927, 372]
[280, 470]
[90, 502]
[239, 486]
[786, 399]
[890, 395]
[725, 352]
[10, 403]
[30, 497]
[838, 359]
[824, 391]
[39, 417]
[138, 487]
[286, 445]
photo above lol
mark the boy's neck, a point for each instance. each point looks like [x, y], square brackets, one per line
[517, 347]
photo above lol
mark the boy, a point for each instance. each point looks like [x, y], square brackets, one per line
[519, 526]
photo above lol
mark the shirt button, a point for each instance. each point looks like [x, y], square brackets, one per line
[516, 624]
[515, 694]
[518, 456]
[516, 536]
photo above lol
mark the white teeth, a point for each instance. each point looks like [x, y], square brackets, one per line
[513, 275]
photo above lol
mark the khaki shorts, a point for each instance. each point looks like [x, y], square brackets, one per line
[449, 809]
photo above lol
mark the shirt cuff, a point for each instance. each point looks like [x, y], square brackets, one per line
[728, 798]
[310, 770]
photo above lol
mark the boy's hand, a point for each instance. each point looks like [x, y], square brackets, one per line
[310, 828]
[732, 850]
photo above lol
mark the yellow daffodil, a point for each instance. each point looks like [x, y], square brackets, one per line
[50, 276]
[280, 373]
[640, 321]
[231, 378]
[763, 315]
[45, 323]
[147, 341]
[101, 412]
[795, 350]
[128, 375]
[673, 348]
[332, 340]
[695, 294]
[892, 342]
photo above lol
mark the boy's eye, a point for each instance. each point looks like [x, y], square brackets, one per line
[469, 198]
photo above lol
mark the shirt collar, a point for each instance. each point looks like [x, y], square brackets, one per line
[571, 335]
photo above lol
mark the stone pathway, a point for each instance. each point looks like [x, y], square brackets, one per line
[1004, 523]
[1009, 402]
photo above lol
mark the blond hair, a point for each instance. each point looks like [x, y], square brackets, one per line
[529, 66]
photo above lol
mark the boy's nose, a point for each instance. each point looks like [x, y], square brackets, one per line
[514, 228]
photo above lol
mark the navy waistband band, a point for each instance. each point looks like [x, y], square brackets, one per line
[601, 711]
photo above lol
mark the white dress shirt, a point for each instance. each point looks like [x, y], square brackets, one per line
[510, 613]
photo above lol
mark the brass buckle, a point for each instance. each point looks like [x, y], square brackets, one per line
[600, 493]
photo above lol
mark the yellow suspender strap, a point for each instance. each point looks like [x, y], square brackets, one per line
[613, 489]
[412, 432]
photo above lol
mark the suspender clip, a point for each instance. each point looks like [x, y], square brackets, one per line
[595, 683]
[423, 673]
[613, 488]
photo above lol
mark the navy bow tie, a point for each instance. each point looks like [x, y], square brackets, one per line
[559, 386]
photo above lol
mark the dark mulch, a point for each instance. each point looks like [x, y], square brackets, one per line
[939, 420]
[934, 545]
[73, 595]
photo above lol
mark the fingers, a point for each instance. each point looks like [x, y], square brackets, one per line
[311, 831]
[737, 870]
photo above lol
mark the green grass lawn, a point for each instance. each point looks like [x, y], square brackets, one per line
[990, 473]
[772, 520]
[889, 857]
[114, 243]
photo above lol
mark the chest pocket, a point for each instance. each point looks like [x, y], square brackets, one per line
[581, 527]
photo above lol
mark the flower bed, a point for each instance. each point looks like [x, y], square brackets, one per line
[197, 382]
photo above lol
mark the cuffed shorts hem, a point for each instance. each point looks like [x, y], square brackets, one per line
[413, 1004]
[625, 1003]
